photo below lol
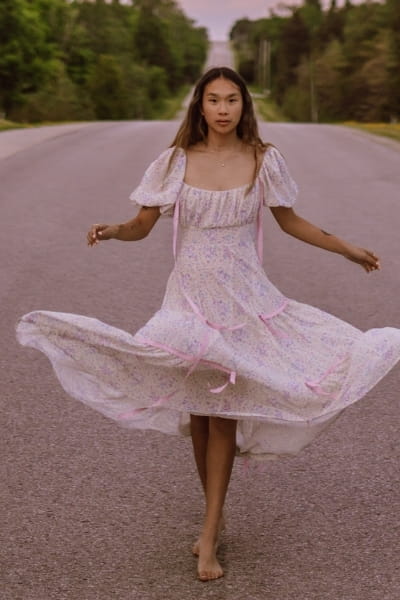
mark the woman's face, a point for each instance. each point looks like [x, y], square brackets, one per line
[222, 105]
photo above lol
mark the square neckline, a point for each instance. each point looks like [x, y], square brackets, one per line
[198, 189]
[233, 189]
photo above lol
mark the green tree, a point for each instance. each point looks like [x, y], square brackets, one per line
[294, 45]
[372, 83]
[25, 57]
[153, 46]
[241, 36]
[63, 59]
[58, 99]
[108, 92]
[393, 65]
[329, 82]
[339, 63]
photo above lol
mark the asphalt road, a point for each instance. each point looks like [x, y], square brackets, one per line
[94, 512]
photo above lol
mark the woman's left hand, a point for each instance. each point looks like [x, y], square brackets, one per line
[367, 259]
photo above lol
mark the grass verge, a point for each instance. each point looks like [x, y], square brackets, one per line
[4, 125]
[265, 107]
[390, 130]
[170, 108]
[173, 105]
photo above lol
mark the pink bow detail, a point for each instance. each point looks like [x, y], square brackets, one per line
[266, 318]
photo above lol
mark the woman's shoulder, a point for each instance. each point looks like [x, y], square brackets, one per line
[161, 182]
[168, 162]
[267, 150]
[281, 189]
[263, 152]
[271, 159]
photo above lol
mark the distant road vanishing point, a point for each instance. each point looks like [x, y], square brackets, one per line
[220, 55]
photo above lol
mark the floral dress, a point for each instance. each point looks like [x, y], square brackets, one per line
[225, 342]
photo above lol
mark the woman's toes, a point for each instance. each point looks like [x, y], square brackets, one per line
[210, 575]
[209, 567]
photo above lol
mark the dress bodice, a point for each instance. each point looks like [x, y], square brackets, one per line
[205, 209]
[163, 184]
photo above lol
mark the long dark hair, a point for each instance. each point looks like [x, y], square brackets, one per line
[194, 128]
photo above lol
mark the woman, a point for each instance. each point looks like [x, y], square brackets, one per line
[227, 358]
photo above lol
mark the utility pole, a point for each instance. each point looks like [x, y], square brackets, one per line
[313, 96]
[264, 75]
[268, 70]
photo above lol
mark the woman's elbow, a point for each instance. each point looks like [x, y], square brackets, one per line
[144, 227]
[287, 225]
[142, 231]
[285, 217]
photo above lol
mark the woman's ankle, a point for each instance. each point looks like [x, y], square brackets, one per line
[209, 535]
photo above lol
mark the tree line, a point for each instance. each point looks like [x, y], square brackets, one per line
[342, 63]
[82, 60]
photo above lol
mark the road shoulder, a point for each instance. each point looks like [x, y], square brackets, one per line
[15, 140]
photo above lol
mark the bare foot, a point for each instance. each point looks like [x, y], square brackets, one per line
[221, 527]
[208, 566]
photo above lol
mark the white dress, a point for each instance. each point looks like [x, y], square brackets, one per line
[226, 341]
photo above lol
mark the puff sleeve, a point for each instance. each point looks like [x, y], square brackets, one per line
[279, 187]
[160, 186]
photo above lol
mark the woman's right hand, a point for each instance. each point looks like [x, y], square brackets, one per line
[99, 232]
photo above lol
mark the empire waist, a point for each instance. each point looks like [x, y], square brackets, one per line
[234, 235]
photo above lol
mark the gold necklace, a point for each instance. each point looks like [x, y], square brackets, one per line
[222, 162]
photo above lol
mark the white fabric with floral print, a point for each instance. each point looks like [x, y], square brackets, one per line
[225, 342]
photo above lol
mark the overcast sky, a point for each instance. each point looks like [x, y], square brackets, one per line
[218, 16]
